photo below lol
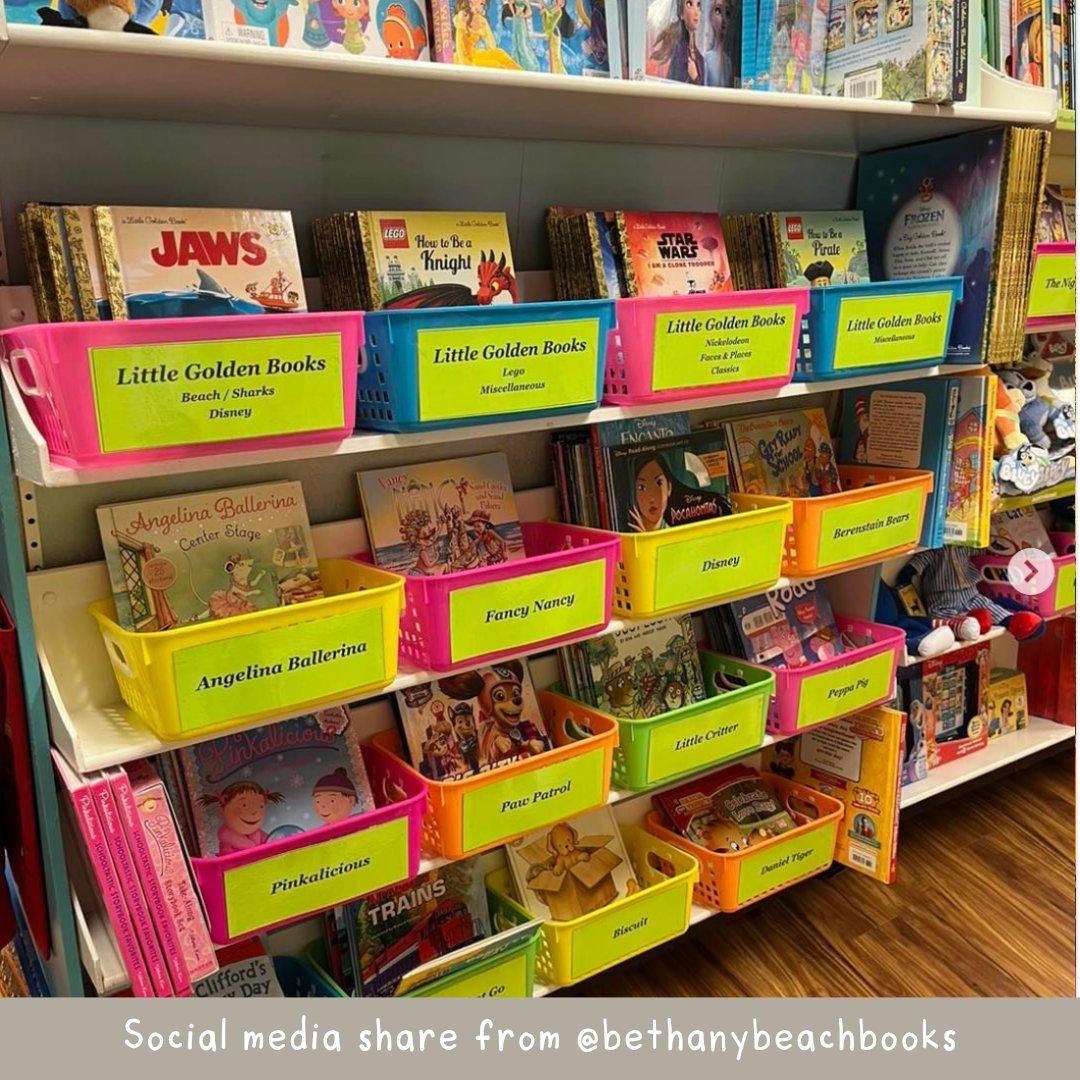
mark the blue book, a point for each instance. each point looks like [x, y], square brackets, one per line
[766, 26]
[748, 68]
[909, 425]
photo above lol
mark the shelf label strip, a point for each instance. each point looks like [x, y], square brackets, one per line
[1053, 287]
[897, 329]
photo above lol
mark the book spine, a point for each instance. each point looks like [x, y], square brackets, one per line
[128, 880]
[49, 222]
[80, 264]
[982, 538]
[942, 478]
[442, 31]
[961, 32]
[163, 921]
[748, 61]
[615, 48]
[636, 16]
[110, 261]
[897, 795]
[765, 33]
[601, 473]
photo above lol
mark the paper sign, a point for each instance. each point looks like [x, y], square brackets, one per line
[149, 396]
[714, 565]
[714, 348]
[729, 726]
[859, 530]
[530, 800]
[629, 927]
[1053, 286]
[507, 979]
[513, 368]
[315, 877]
[1065, 591]
[519, 611]
[278, 670]
[874, 330]
[778, 864]
[845, 690]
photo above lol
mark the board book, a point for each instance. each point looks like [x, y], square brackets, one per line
[697, 44]
[789, 627]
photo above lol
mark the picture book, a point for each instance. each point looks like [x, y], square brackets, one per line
[572, 868]
[967, 511]
[788, 627]
[728, 810]
[857, 760]
[1012, 531]
[821, 248]
[1029, 42]
[551, 36]
[178, 18]
[245, 970]
[686, 42]
[396, 929]
[381, 28]
[788, 454]
[473, 721]
[787, 53]
[1006, 702]
[673, 253]
[166, 262]
[41, 227]
[441, 517]
[254, 787]
[909, 425]
[208, 555]
[1057, 215]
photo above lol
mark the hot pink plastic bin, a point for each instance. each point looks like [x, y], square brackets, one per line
[250, 892]
[51, 366]
[446, 624]
[1057, 598]
[633, 369]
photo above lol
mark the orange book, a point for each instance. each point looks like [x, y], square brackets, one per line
[673, 253]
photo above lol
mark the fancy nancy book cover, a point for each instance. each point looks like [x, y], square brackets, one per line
[441, 517]
[472, 721]
[167, 262]
[254, 787]
[686, 41]
[382, 28]
[672, 253]
[562, 37]
[788, 627]
[821, 248]
[788, 454]
[572, 868]
[209, 555]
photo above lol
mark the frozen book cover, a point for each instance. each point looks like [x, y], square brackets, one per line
[788, 627]
[209, 555]
[822, 248]
[689, 41]
[254, 787]
[673, 253]
[473, 721]
[788, 454]
[169, 262]
[442, 517]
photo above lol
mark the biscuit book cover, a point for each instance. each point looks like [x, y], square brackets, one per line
[168, 262]
[788, 454]
[673, 253]
[209, 555]
[822, 248]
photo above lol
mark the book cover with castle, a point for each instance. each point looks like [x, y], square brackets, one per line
[673, 253]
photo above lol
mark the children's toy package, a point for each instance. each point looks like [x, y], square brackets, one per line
[1007, 702]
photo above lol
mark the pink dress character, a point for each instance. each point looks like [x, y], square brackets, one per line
[243, 811]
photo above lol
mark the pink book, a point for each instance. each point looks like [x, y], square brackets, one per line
[170, 863]
[89, 825]
[162, 918]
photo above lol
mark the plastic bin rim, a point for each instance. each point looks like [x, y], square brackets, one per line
[951, 282]
[774, 506]
[448, 314]
[923, 477]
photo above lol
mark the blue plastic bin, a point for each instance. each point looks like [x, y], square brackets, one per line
[299, 979]
[823, 352]
[390, 391]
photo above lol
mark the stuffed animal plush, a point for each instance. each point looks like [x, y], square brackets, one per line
[1007, 433]
[1035, 411]
[111, 15]
[923, 638]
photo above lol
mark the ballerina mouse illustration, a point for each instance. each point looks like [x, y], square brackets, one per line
[235, 599]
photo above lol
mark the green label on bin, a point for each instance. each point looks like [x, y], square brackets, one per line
[315, 877]
[627, 929]
[530, 800]
[512, 368]
[520, 611]
[1065, 590]
[713, 348]
[845, 690]
[873, 330]
[774, 865]
[508, 979]
[711, 735]
[277, 670]
[1053, 286]
[150, 396]
[859, 530]
[717, 564]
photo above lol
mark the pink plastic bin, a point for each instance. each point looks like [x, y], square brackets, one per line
[1057, 598]
[440, 632]
[238, 889]
[51, 366]
[1048, 309]
[1064, 542]
[630, 375]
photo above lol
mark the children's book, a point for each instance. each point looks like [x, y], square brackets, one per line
[857, 760]
[395, 930]
[1057, 216]
[165, 262]
[572, 868]
[1029, 42]
[907, 426]
[967, 512]
[686, 42]
[748, 49]
[208, 555]
[473, 721]
[245, 970]
[673, 253]
[442, 517]
[86, 265]
[371, 28]
[821, 248]
[1012, 531]
[254, 787]
[789, 454]
[788, 627]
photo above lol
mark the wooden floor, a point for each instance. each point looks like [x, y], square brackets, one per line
[984, 905]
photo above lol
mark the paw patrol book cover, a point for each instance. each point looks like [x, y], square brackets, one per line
[572, 868]
[673, 253]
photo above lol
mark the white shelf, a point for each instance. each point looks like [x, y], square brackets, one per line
[993, 632]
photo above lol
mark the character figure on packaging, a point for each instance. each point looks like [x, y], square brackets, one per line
[272, 15]
[819, 274]
[556, 23]
[677, 46]
[356, 15]
[474, 41]
[401, 27]
[519, 12]
[719, 63]
[243, 811]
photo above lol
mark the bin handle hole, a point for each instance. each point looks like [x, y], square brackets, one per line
[119, 658]
[24, 370]
[658, 863]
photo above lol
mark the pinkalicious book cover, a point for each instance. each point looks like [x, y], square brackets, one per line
[788, 627]
[254, 787]
[209, 555]
[788, 454]
[673, 253]
[473, 721]
[442, 517]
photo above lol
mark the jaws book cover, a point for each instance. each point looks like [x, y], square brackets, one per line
[209, 555]
[673, 253]
[167, 262]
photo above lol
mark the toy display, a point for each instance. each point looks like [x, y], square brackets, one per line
[922, 637]
[1006, 702]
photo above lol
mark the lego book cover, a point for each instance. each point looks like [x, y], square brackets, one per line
[821, 248]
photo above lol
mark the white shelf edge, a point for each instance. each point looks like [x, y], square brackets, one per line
[990, 635]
